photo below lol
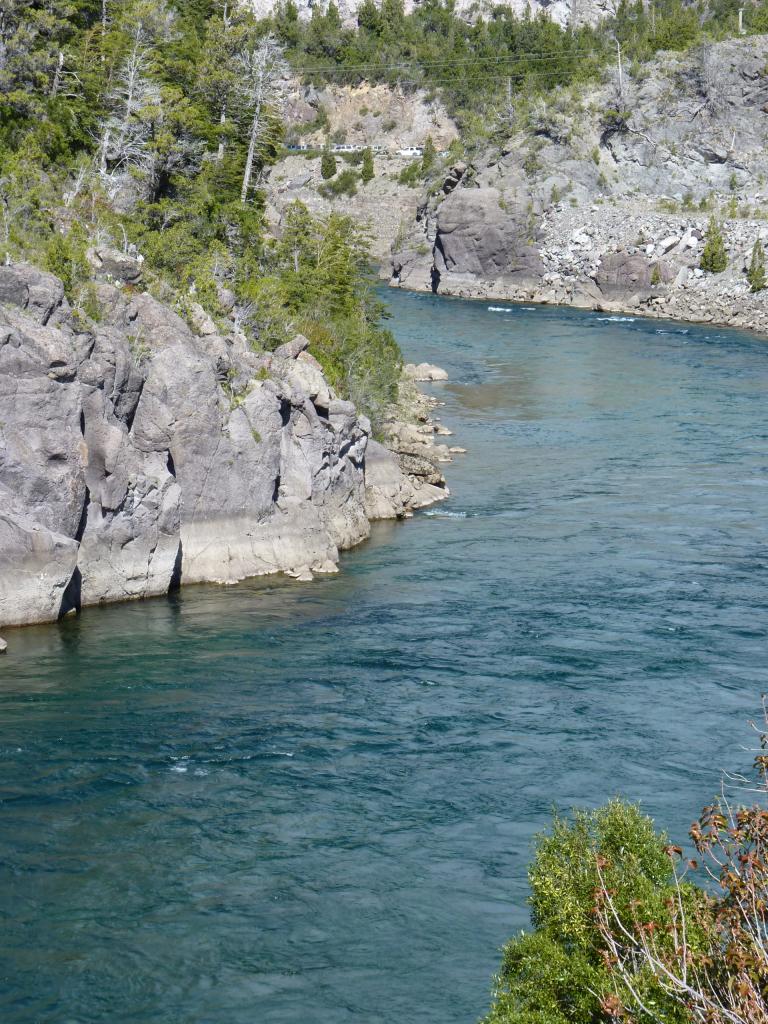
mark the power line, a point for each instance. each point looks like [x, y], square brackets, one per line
[405, 66]
[519, 76]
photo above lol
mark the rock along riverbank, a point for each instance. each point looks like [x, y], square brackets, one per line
[138, 454]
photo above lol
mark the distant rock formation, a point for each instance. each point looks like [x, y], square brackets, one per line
[576, 208]
[562, 11]
[137, 455]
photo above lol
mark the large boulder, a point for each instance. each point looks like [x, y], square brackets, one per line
[479, 234]
[115, 266]
[623, 276]
[31, 289]
[389, 494]
[37, 566]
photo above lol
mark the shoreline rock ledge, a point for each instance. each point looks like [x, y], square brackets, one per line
[137, 455]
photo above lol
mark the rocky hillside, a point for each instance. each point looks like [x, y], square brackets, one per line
[564, 12]
[603, 198]
[143, 451]
[391, 120]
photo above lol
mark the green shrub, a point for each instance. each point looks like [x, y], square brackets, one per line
[318, 282]
[756, 271]
[429, 155]
[367, 173]
[411, 175]
[327, 164]
[344, 184]
[714, 257]
[65, 257]
[557, 974]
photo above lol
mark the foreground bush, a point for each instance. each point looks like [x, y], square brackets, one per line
[621, 933]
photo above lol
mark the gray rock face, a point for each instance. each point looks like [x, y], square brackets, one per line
[562, 11]
[36, 567]
[620, 274]
[480, 235]
[126, 468]
[387, 489]
[617, 218]
[31, 289]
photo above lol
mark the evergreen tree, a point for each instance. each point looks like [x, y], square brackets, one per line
[714, 257]
[367, 171]
[429, 155]
[226, 40]
[327, 164]
[756, 272]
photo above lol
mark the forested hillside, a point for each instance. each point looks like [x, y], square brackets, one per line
[145, 128]
[482, 66]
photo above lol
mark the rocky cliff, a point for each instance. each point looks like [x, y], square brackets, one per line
[138, 453]
[564, 12]
[601, 197]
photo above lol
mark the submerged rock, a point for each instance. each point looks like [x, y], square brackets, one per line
[424, 372]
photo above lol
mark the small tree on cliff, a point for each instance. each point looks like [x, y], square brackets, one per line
[756, 272]
[714, 257]
[429, 155]
[366, 171]
[327, 164]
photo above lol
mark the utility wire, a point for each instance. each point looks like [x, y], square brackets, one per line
[421, 65]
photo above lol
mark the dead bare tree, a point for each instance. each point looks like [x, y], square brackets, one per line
[264, 72]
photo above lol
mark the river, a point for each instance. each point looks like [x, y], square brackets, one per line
[313, 803]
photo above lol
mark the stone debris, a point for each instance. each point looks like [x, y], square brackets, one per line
[565, 213]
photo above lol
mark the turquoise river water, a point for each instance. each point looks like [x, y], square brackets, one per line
[292, 803]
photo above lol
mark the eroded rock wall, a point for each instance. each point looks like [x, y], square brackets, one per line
[137, 455]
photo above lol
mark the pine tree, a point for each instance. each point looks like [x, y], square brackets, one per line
[756, 272]
[429, 155]
[327, 164]
[226, 40]
[714, 257]
[367, 171]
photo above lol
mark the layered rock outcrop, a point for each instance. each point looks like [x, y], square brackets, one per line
[136, 454]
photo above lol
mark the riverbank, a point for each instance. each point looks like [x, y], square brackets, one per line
[578, 208]
[142, 452]
[754, 319]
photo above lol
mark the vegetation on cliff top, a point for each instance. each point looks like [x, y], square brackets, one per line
[146, 128]
[622, 933]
